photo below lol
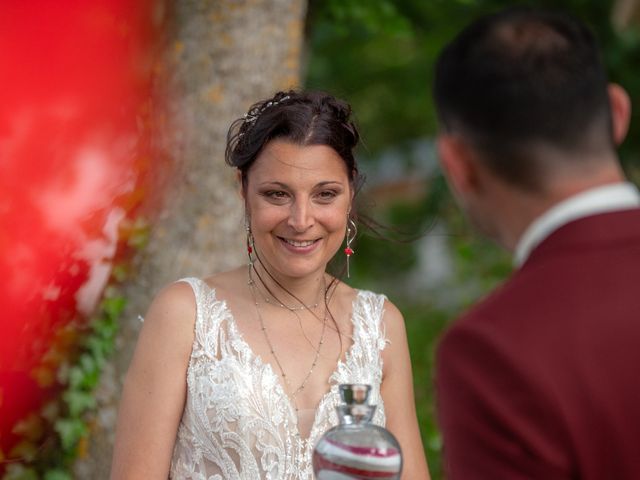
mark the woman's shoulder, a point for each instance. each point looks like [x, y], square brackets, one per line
[170, 319]
[216, 284]
[228, 284]
[368, 297]
[174, 298]
[380, 307]
[360, 298]
[371, 296]
[175, 307]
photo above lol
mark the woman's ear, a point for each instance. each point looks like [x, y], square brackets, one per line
[352, 185]
[241, 186]
[620, 105]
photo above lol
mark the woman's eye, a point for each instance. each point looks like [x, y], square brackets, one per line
[327, 195]
[276, 195]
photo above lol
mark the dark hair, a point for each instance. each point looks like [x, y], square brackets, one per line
[521, 78]
[303, 118]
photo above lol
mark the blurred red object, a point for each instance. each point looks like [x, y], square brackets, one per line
[75, 85]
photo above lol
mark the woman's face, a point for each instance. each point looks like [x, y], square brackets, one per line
[297, 199]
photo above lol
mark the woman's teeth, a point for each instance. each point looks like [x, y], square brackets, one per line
[295, 243]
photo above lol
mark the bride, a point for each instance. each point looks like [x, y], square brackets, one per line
[236, 376]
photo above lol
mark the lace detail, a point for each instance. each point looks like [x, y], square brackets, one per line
[238, 423]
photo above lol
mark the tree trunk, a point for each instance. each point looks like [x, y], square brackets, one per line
[221, 56]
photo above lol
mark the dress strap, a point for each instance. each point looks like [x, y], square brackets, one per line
[368, 322]
[209, 314]
[197, 286]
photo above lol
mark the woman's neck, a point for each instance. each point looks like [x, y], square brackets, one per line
[293, 291]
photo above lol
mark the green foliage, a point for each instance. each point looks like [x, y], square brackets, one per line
[380, 55]
[424, 323]
[57, 475]
[367, 16]
[78, 397]
[70, 430]
[51, 457]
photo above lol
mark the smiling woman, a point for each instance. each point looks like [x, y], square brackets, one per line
[236, 375]
[297, 199]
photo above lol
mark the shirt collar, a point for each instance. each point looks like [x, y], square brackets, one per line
[608, 198]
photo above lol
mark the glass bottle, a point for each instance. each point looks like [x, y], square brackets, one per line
[356, 448]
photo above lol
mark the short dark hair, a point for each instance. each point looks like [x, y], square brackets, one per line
[520, 78]
[300, 117]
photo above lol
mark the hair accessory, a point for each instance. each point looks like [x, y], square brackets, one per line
[252, 115]
[352, 231]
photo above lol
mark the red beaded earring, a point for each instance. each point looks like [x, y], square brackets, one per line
[247, 224]
[352, 231]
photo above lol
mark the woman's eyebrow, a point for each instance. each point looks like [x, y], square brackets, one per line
[329, 182]
[274, 183]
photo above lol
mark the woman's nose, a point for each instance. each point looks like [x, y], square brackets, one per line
[301, 216]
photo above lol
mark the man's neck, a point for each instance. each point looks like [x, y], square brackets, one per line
[525, 208]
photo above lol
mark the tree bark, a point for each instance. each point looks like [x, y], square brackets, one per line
[220, 57]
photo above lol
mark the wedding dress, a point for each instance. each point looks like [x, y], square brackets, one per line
[238, 422]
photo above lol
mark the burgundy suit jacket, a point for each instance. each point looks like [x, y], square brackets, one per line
[541, 380]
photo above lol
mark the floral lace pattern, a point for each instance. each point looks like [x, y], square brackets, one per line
[238, 423]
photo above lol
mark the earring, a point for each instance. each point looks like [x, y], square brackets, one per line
[352, 231]
[250, 242]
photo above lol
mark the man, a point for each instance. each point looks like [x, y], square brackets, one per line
[541, 380]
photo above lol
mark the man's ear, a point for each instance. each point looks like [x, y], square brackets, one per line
[620, 105]
[459, 164]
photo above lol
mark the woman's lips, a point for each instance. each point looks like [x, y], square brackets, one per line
[299, 246]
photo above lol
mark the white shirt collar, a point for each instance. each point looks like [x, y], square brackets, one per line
[618, 196]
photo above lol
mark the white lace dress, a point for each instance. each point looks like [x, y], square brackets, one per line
[238, 423]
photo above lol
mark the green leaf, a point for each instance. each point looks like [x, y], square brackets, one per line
[57, 475]
[71, 430]
[88, 363]
[113, 307]
[76, 376]
[79, 402]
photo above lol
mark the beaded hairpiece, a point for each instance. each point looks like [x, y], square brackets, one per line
[252, 115]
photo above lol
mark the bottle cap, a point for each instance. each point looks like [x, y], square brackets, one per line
[355, 393]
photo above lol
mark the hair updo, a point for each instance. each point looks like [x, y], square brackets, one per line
[302, 118]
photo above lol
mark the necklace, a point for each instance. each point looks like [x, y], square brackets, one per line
[278, 303]
[293, 308]
[286, 380]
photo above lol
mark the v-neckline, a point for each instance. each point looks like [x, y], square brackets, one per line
[280, 387]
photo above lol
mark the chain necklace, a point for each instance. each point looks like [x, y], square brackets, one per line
[286, 380]
[291, 308]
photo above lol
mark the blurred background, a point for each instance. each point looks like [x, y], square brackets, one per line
[113, 119]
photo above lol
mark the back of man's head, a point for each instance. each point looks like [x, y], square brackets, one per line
[522, 79]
